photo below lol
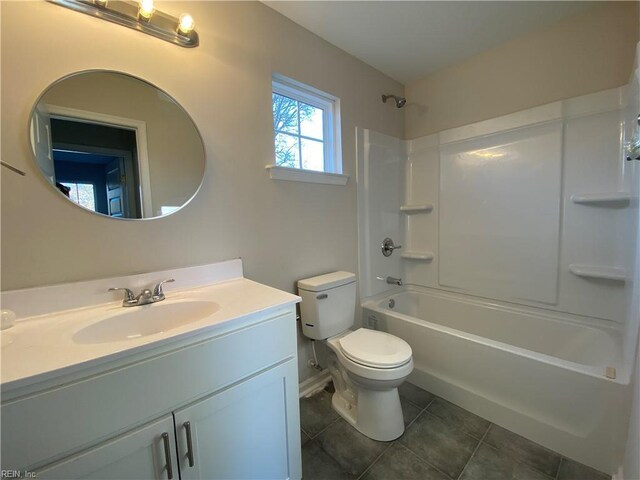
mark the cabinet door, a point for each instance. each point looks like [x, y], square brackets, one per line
[139, 454]
[248, 431]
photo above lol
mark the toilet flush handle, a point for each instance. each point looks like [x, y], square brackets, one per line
[322, 296]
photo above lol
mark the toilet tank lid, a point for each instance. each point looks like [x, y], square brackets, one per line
[326, 281]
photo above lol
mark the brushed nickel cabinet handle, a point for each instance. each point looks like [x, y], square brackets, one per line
[167, 455]
[187, 427]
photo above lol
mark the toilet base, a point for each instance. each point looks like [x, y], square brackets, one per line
[370, 404]
[376, 414]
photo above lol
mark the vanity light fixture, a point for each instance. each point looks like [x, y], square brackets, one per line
[141, 16]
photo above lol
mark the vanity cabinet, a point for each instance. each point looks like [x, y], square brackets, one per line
[138, 454]
[239, 433]
[219, 406]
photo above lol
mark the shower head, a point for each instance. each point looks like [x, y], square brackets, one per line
[400, 101]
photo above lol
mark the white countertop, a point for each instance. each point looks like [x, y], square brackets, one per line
[41, 348]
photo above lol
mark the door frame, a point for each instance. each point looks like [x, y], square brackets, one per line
[138, 126]
[133, 207]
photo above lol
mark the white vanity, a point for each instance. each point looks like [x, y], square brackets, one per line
[203, 384]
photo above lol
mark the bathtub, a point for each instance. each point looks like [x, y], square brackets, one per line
[554, 378]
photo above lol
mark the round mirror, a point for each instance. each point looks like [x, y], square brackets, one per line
[117, 145]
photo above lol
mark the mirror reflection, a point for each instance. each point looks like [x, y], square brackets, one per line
[117, 145]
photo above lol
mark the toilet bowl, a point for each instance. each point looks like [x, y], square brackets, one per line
[367, 387]
[366, 366]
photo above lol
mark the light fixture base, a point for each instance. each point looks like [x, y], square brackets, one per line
[122, 12]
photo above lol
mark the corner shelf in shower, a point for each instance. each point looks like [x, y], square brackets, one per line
[612, 200]
[421, 256]
[410, 209]
[604, 273]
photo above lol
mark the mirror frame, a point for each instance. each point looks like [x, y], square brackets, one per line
[164, 92]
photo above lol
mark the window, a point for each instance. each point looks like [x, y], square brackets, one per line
[83, 194]
[306, 125]
[299, 134]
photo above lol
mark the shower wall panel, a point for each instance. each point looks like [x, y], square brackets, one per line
[500, 214]
[509, 220]
[381, 166]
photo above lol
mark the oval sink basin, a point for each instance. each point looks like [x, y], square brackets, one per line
[136, 322]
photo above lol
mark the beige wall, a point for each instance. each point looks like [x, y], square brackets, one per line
[176, 158]
[583, 54]
[283, 230]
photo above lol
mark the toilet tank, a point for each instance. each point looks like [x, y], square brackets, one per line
[328, 304]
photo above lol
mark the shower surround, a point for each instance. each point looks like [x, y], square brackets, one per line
[518, 254]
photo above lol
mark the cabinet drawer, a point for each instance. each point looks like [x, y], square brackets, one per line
[49, 425]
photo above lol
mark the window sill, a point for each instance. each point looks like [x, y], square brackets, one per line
[308, 176]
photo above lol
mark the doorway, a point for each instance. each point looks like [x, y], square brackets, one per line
[96, 166]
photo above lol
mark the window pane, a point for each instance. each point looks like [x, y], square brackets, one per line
[285, 114]
[312, 155]
[311, 119]
[287, 152]
[82, 194]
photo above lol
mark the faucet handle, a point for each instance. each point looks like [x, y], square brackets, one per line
[388, 247]
[157, 291]
[128, 294]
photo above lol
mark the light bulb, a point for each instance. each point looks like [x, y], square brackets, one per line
[146, 9]
[186, 24]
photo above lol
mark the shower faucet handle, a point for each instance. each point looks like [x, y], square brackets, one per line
[388, 247]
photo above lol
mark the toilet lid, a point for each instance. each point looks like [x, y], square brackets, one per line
[375, 349]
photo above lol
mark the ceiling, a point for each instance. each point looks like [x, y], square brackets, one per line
[409, 40]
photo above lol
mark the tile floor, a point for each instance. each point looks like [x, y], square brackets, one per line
[441, 442]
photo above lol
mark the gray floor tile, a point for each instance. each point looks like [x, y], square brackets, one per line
[415, 395]
[349, 448]
[461, 418]
[317, 465]
[316, 413]
[398, 463]
[523, 450]
[489, 463]
[570, 470]
[304, 438]
[440, 443]
[409, 411]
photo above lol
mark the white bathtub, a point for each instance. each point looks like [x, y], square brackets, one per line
[538, 373]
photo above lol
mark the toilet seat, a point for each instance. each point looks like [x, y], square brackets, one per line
[375, 349]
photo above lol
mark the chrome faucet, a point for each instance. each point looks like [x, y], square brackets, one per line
[388, 247]
[394, 281]
[391, 280]
[145, 297]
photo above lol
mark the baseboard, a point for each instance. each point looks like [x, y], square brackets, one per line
[619, 475]
[317, 382]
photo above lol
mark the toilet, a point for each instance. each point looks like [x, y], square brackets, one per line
[367, 366]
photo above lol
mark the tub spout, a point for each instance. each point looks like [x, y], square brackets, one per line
[394, 281]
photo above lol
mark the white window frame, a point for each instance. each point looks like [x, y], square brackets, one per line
[95, 200]
[330, 105]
